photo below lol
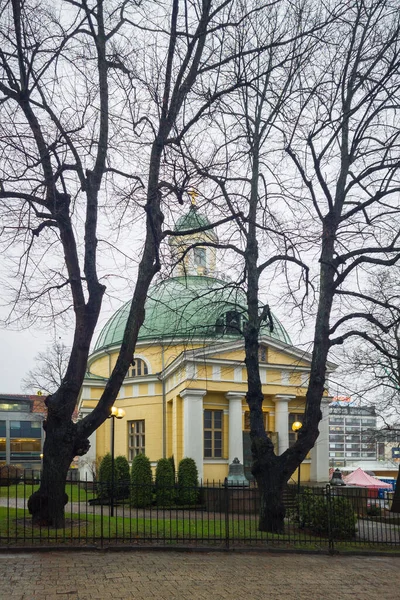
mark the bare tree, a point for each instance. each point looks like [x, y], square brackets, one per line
[331, 105]
[85, 86]
[372, 362]
[49, 370]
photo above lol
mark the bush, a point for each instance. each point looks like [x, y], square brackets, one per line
[374, 510]
[322, 515]
[172, 461]
[122, 477]
[187, 481]
[141, 482]
[9, 475]
[165, 483]
[104, 478]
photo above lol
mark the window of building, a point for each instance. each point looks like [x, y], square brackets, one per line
[15, 406]
[293, 417]
[136, 438]
[247, 420]
[139, 368]
[213, 433]
[200, 257]
[2, 448]
[262, 354]
[25, 448]
[380, 449]
[25, 429]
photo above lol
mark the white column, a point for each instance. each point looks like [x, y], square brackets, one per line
[282, 420]
[86, 463]
[193, 443]
[235, 425]
[320, 452]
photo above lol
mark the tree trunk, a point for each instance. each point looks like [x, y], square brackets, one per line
[396, 498]
[272, 509]
[47, 505]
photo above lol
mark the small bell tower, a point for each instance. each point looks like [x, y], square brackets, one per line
[188, 253]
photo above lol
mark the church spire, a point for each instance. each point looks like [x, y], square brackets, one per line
[188, 253]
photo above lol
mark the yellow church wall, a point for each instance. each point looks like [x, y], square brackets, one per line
[95, 393]
[227, 373]
[149, 409]
[279, 357]
[225, 435]
[169, 429]
[101, 366]
[215, 472]
[296, 406]
[305, 471]
[177, 436]
[274, 377]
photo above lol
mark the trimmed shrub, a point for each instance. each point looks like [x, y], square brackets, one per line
[104, 478]
[172, 461]
[141, 482]
[322, 515]
[374, 510]
[187, 481]
[10, 475]
[122, 477]
[165, 483]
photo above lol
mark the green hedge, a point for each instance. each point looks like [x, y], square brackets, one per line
[141, 482]
[121, 478]
[165, 483]
[187, 481]
[326, 516]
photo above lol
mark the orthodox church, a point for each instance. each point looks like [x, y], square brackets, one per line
[184, 396]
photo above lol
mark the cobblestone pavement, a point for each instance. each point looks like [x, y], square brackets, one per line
[196, 576]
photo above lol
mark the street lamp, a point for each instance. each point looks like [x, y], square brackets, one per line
[297, 425]
[116, 413]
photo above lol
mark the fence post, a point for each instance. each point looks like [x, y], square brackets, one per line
[226, 516]
[331, 541]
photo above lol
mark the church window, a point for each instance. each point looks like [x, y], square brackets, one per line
[139, 368]
[262, 354]
[136, 438]
[213, 433]
[247, 420]
[200, 257]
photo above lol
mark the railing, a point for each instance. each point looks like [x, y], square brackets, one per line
[323, 519]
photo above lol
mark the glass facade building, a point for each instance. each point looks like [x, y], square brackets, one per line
[352, 433]
[21, 430]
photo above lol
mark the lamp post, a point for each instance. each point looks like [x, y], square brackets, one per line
[297, 425]
[116, 413]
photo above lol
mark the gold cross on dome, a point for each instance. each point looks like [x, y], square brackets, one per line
[193, 195]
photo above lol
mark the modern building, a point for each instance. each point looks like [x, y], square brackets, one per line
[351, 433]
[185, 393]
[21, 430]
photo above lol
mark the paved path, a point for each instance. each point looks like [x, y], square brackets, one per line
[196, 576]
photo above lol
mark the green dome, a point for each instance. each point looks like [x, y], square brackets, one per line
[192, 220]
[185, 308]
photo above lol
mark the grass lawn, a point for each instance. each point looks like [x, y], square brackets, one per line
[75, 492]
[16, 529]
[16, 525]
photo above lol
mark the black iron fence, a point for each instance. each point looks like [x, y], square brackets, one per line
[211, 516]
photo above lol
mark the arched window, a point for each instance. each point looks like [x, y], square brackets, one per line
[139, 368]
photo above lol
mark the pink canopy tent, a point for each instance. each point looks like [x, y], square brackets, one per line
[362, 479]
